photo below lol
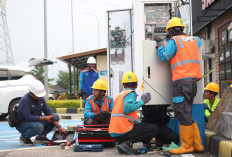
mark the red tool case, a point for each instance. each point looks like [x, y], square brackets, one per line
[94, 134]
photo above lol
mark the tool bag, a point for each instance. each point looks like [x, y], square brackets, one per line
[13, 121]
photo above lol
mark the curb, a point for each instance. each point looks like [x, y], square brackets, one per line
[67, 110]
[217, 145]
[65, 117]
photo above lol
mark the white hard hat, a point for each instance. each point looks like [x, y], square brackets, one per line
[91, 60]
[37, 88]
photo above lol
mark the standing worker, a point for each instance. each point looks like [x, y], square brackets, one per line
[211, 91]
[182, 51]
[87, 77]
[124, 127]
[99, 105]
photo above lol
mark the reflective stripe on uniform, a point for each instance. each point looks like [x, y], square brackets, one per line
[93, 103]
[180, 42]
[184, 62]
[107, 103]
[122, 115]
[166, 55]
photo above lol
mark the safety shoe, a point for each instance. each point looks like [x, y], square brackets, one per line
[26, 142]
[126, 147]
[41, 139]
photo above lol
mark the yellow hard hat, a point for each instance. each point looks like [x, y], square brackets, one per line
[129, 77]
[100, 84]
[174, 22]
[212, 86]
[231, 85]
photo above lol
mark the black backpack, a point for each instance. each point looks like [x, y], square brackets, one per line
[13, 121]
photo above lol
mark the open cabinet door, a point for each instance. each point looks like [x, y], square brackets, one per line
[157, 75]
[120, 56]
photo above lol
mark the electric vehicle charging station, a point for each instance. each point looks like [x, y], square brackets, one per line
[148, 18]
[131, 47]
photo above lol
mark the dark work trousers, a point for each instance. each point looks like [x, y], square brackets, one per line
[188, 89]
[166, 135]
[91, 121]
[141, 132]
[84, 97]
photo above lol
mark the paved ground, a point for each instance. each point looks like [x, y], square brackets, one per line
[11, 147]
[9, 137]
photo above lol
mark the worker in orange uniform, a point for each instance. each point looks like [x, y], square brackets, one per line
[99, 105]
[211, 102]
[124, 127]
[182, 51]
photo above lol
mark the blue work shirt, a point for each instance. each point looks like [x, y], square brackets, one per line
[31, 110]
[86, 80]
[129, 105]
[171, 50]
[88, 107]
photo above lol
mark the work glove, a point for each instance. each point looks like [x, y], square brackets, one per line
[146, 97]
[104, 115]
[96, 115]
[159, 41]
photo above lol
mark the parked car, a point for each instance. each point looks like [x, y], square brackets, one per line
[14, 83]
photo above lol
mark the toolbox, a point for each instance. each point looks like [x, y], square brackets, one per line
[95, 134]
[88, 148]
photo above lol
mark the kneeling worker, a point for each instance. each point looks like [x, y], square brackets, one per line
[124, 127]
[33, 123]
[211, 91]
[99, 105]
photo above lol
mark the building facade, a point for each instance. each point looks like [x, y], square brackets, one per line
[212, 22]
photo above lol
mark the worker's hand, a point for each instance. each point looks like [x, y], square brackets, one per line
[46, 118]
[146, 97]
[159, 41]
[62, 130]
[104, 114]
[96, 115]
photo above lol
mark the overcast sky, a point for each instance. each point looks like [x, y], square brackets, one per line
[26, 28]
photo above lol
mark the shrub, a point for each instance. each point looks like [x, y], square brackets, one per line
[63, 103]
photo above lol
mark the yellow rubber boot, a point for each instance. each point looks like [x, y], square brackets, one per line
[186, 137]
[198, 147]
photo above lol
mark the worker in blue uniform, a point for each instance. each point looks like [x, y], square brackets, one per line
[87, 77]
[182, 51]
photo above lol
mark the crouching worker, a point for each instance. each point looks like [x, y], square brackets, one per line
[29, 113]
[99, 105]
[124, 127]
[211, 102]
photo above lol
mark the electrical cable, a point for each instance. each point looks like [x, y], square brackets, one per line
[207, 73]
[156, 91]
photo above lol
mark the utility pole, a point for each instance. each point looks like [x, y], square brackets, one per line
[73, 48]
[45, 50]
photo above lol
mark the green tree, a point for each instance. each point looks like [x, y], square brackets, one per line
[63, 79]
[38, 71]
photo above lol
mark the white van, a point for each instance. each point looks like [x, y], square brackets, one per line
[14, 83]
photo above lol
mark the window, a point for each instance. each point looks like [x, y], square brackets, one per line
[3, 75]
[225, 56]
[16, 74]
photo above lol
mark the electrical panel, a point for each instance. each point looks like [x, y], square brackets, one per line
[118, 38]
[156, 16]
